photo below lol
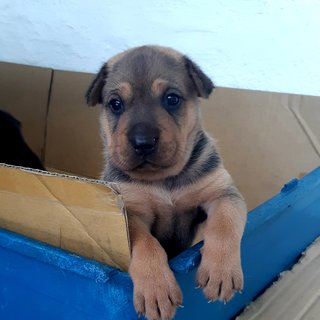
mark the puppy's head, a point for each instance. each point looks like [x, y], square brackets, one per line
[149, 115]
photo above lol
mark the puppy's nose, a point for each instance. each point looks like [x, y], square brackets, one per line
[143, 138]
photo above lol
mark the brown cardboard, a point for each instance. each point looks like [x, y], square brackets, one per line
[81, 216]
[294, 296]
[262, 143]
[309, 109]
[73, 136]
[24, 93]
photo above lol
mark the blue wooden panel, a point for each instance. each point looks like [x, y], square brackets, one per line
[38, 281]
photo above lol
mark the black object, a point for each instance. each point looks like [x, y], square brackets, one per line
[13, 148]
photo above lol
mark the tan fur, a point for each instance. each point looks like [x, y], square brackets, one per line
[137, 196]
[158, 87]
[104, 126]
[125, 90]
[154, 209]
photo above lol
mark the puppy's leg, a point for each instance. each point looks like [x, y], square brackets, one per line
[220, 272]
[156, 292]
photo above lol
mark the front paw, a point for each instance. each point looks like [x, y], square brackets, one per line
[220, 274]
[156, 295]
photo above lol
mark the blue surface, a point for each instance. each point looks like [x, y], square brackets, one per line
[38, 281]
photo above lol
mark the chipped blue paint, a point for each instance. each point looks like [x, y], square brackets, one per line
[38, 281]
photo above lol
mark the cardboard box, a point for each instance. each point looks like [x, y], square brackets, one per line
[24, 92]
[73, 141]
[79, 215]
[295, 295]
[265, 139]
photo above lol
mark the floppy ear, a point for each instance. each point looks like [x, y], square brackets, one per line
[94, 92]
[202, 83]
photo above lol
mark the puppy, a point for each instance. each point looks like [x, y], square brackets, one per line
[170, 175]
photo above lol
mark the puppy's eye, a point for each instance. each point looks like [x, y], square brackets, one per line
[172, 100]
[116, 105]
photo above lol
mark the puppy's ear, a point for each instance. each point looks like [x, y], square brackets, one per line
[202, 83]
[94, 92]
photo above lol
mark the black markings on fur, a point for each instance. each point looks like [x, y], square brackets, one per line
[112, 118]
[114, 174]
[179, 235]
[232, 193]
[176, 115]
[114, 124]
[202, 83]
[201, 143]
[201, 216]
[197, 166]
[94, 92]
[220, 288]
[233, 285]
[206, 282]
[211, 163]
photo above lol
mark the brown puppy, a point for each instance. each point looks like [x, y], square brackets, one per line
[169, 173]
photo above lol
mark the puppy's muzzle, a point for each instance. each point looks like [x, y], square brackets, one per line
[143, 138]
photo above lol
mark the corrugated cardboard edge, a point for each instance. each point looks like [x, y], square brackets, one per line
[111, 187]
[295, 107]
[295, 295]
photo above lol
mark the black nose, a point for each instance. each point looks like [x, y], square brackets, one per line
[143, 138]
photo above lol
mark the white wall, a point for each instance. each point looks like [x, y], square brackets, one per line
[269, 45]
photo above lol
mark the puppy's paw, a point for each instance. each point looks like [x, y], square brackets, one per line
[220, 274]
[157, 295]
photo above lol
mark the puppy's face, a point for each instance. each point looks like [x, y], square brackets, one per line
[149, 113]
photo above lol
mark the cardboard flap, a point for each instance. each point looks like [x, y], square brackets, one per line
[78, 215]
